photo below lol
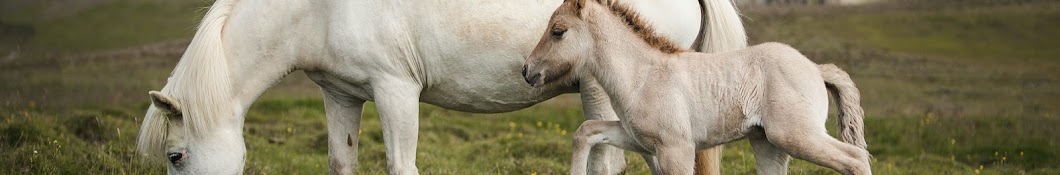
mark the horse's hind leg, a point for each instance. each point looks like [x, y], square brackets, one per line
[653, 163]
[344, 122]
[810, 142]
[769, 158]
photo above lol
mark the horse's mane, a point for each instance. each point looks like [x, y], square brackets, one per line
[199, 83]
[642, 28]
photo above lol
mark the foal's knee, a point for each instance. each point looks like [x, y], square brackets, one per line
[589, 130]
[862, 164]
[586, 130]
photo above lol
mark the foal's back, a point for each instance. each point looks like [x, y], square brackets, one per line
[738, 87]
[755, 66]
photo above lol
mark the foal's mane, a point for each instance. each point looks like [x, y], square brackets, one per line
[641, 27]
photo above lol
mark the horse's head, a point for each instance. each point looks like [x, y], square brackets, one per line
[562, 48]
[176, 132]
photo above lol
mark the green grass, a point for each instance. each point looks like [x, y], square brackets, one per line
[523, 142]
[117, 25]
[949, 88]
[108, 25]
[998, 34]
[950, 60]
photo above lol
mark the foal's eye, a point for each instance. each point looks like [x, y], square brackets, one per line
[558, 32]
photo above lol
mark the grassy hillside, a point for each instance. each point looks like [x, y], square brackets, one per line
[949, 87]
[94, 25]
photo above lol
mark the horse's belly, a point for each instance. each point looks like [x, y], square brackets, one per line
[488, 97]
[467, 61]
[486, 83]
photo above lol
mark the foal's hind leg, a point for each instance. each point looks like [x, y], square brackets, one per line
[812, 143]
[769, 158]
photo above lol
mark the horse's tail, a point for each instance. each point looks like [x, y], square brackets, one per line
[722, 29]
[848, 98]
[206, 55]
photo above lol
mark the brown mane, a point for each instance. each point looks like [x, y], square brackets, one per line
[642, 29]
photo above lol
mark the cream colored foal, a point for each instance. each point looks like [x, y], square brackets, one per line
[671, 102]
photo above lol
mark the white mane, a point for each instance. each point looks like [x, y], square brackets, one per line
[200, 84]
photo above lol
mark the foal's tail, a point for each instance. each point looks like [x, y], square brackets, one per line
[847, 97]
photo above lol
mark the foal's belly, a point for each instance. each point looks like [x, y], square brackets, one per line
[722, 124]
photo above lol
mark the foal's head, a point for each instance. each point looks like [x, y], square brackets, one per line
[568, 44]
[566, 41]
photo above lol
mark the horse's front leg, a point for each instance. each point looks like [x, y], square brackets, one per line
[653, 163]
[398, 106]
[603, 159]
[344, 123]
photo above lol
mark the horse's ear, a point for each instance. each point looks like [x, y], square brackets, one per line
[165, 103]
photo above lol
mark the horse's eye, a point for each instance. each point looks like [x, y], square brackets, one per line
[558, 32]
[176, 158]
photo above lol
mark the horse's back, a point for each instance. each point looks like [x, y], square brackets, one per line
[465, 54]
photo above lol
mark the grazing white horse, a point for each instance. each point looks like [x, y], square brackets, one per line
[460, 55]
[671, 102]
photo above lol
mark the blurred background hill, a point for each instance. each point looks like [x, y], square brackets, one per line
[949, 87]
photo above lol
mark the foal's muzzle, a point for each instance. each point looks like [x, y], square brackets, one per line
[534, 79]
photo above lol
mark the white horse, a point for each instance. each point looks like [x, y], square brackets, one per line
[460, 55]
[671, 102]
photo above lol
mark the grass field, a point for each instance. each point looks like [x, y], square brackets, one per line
[949, 87]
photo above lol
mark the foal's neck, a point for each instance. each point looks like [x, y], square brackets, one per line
[623, 61]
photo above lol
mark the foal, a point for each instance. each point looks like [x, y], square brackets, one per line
[671, 102]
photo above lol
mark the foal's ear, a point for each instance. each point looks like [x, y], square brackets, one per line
[167, 104]
[578, 5]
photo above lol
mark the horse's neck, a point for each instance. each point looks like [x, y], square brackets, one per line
[253, 76]
[257, 44]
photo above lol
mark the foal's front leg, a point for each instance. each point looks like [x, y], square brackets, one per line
[594, 133]
[344, 122]
[603, 159]
[676, 158]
